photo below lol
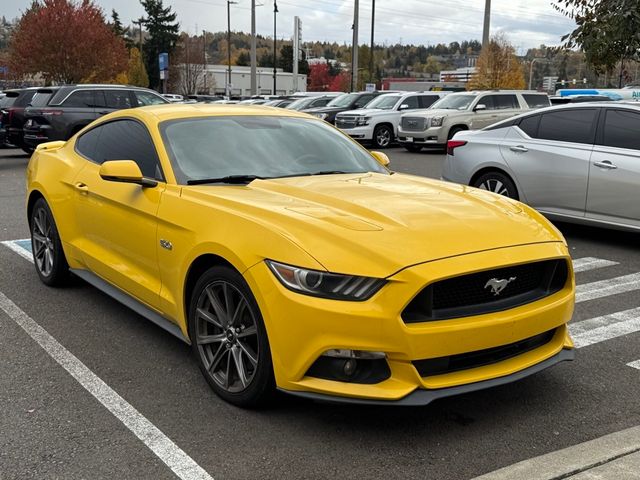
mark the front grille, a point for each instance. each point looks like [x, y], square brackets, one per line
[346, 122]
[487, 291]
[413, 124]
[480, 358]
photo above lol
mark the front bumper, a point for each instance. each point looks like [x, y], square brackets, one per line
[430, 136]
[359, 133]
[302, 328]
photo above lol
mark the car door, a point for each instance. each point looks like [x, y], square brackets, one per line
[484, 117]
[549, 156]
[117, 221]
[614, 171]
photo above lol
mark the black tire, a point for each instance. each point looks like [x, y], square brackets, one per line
[453, 131]
[497, 182]
[48, 255]
[382, 136]
[413, 148]
[28, 150]
[224, 346]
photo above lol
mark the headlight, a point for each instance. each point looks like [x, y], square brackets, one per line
[437, 121]
[362, 121]
[324, 284]
[321, 116]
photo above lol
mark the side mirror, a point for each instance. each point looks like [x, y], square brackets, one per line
[124, 171]
[381, 158]
[404, 106]
[480, 106]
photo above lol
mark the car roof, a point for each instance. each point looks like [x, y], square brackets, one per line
[195, 110]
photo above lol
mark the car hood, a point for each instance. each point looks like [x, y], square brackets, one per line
[325, 109]
[375, 224]
[367, 111]
[435, 112]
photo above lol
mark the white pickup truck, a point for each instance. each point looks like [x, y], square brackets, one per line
[378, 121]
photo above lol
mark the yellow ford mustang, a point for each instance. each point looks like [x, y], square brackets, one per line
[291, 258]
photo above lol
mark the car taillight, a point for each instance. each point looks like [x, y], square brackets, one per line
[50, 111]
[10, 116]
[453, 144]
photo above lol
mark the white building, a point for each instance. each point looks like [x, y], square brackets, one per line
[217, 77]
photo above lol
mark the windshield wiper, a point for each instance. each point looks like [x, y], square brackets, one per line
[232, 179]
[329, 172]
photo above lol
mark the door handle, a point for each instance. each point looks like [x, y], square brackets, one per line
[81, 187]
[605, 164]
[519, 148]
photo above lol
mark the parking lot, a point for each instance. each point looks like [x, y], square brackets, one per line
[167, 420]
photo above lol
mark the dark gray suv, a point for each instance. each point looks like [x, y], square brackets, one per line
[57, 113]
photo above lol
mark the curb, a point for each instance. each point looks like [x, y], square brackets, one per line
[572, 460]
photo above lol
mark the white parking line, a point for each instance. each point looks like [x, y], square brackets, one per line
[635, 364]
[15, 246]
[175, 458]
[610, 286]
[591, 263]
[606, 327]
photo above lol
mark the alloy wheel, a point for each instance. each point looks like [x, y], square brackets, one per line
[383, 137]
[494, 185]
[227, 336]
[43, 246]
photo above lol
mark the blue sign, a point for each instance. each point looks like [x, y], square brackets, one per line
[163, 60]
[4, 70]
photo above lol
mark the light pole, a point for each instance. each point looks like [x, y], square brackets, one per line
[229, 3]
[354, 49]
[204, 61]
[254, 85]
[487, 23]
[275, 11]
[373, 16]
[531, 70]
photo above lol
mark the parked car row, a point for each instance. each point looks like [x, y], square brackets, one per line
[32, 116]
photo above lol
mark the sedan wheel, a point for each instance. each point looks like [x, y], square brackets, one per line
[48, 255]
[229, 338]
[382, 136]
[497, 182]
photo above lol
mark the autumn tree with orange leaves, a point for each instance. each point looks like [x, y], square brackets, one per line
[497, 67]
[67, 42]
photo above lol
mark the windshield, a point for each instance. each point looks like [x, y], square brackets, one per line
[384, 102]
[300, 103]
[454, 102]
[264, 146]
[343, 100]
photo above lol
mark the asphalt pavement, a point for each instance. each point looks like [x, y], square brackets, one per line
[70, 358]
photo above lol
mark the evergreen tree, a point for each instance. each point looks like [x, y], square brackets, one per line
[119, 30]
[163, 36]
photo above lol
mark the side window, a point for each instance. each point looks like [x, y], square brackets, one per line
[148, 98]
[128, 140]
[363, 100]
[118, 99]
[80, 99]
[427, 100]
[536, 100]
[568, 125]
[529, 125]
[87, 142]
[412, 102]
[488, 101]
[621, 129]
[505, 102]
[321, 102]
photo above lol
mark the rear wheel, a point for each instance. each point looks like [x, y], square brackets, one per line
[382, 136]
[48, 255]
[229, 338]
[413, 148]
[497, 182]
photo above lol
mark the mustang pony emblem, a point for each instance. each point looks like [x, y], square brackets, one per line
[498, 285]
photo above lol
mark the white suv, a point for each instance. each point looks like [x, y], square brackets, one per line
[378, 121]
[464, 111]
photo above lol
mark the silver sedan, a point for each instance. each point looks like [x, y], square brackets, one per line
[577, 163]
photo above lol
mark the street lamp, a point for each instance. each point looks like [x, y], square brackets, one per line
[229, 3]
[531, 69]
[275, 11]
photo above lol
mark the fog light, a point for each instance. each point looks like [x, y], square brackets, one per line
[349, 367]
[354, 366]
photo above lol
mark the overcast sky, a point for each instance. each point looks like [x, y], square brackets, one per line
[526, 23]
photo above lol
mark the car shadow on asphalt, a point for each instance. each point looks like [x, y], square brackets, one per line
[609, 236]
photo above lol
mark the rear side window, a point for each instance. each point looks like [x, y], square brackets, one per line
[505, 102]
[427, 100]
[80, 99]
[622, 129]
[568, 125]
[6, 102]
[127, 140]
[41, 99]
[118, 99]
[536, 101]
[24, 98]
[148, 98]
[529, 125]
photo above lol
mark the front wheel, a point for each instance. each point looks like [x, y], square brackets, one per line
[497, 182]
[229, 339]
[382, 136]
[48, 255]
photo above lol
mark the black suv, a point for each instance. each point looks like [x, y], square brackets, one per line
[348, 101]
[57, 113]
[12, 111]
